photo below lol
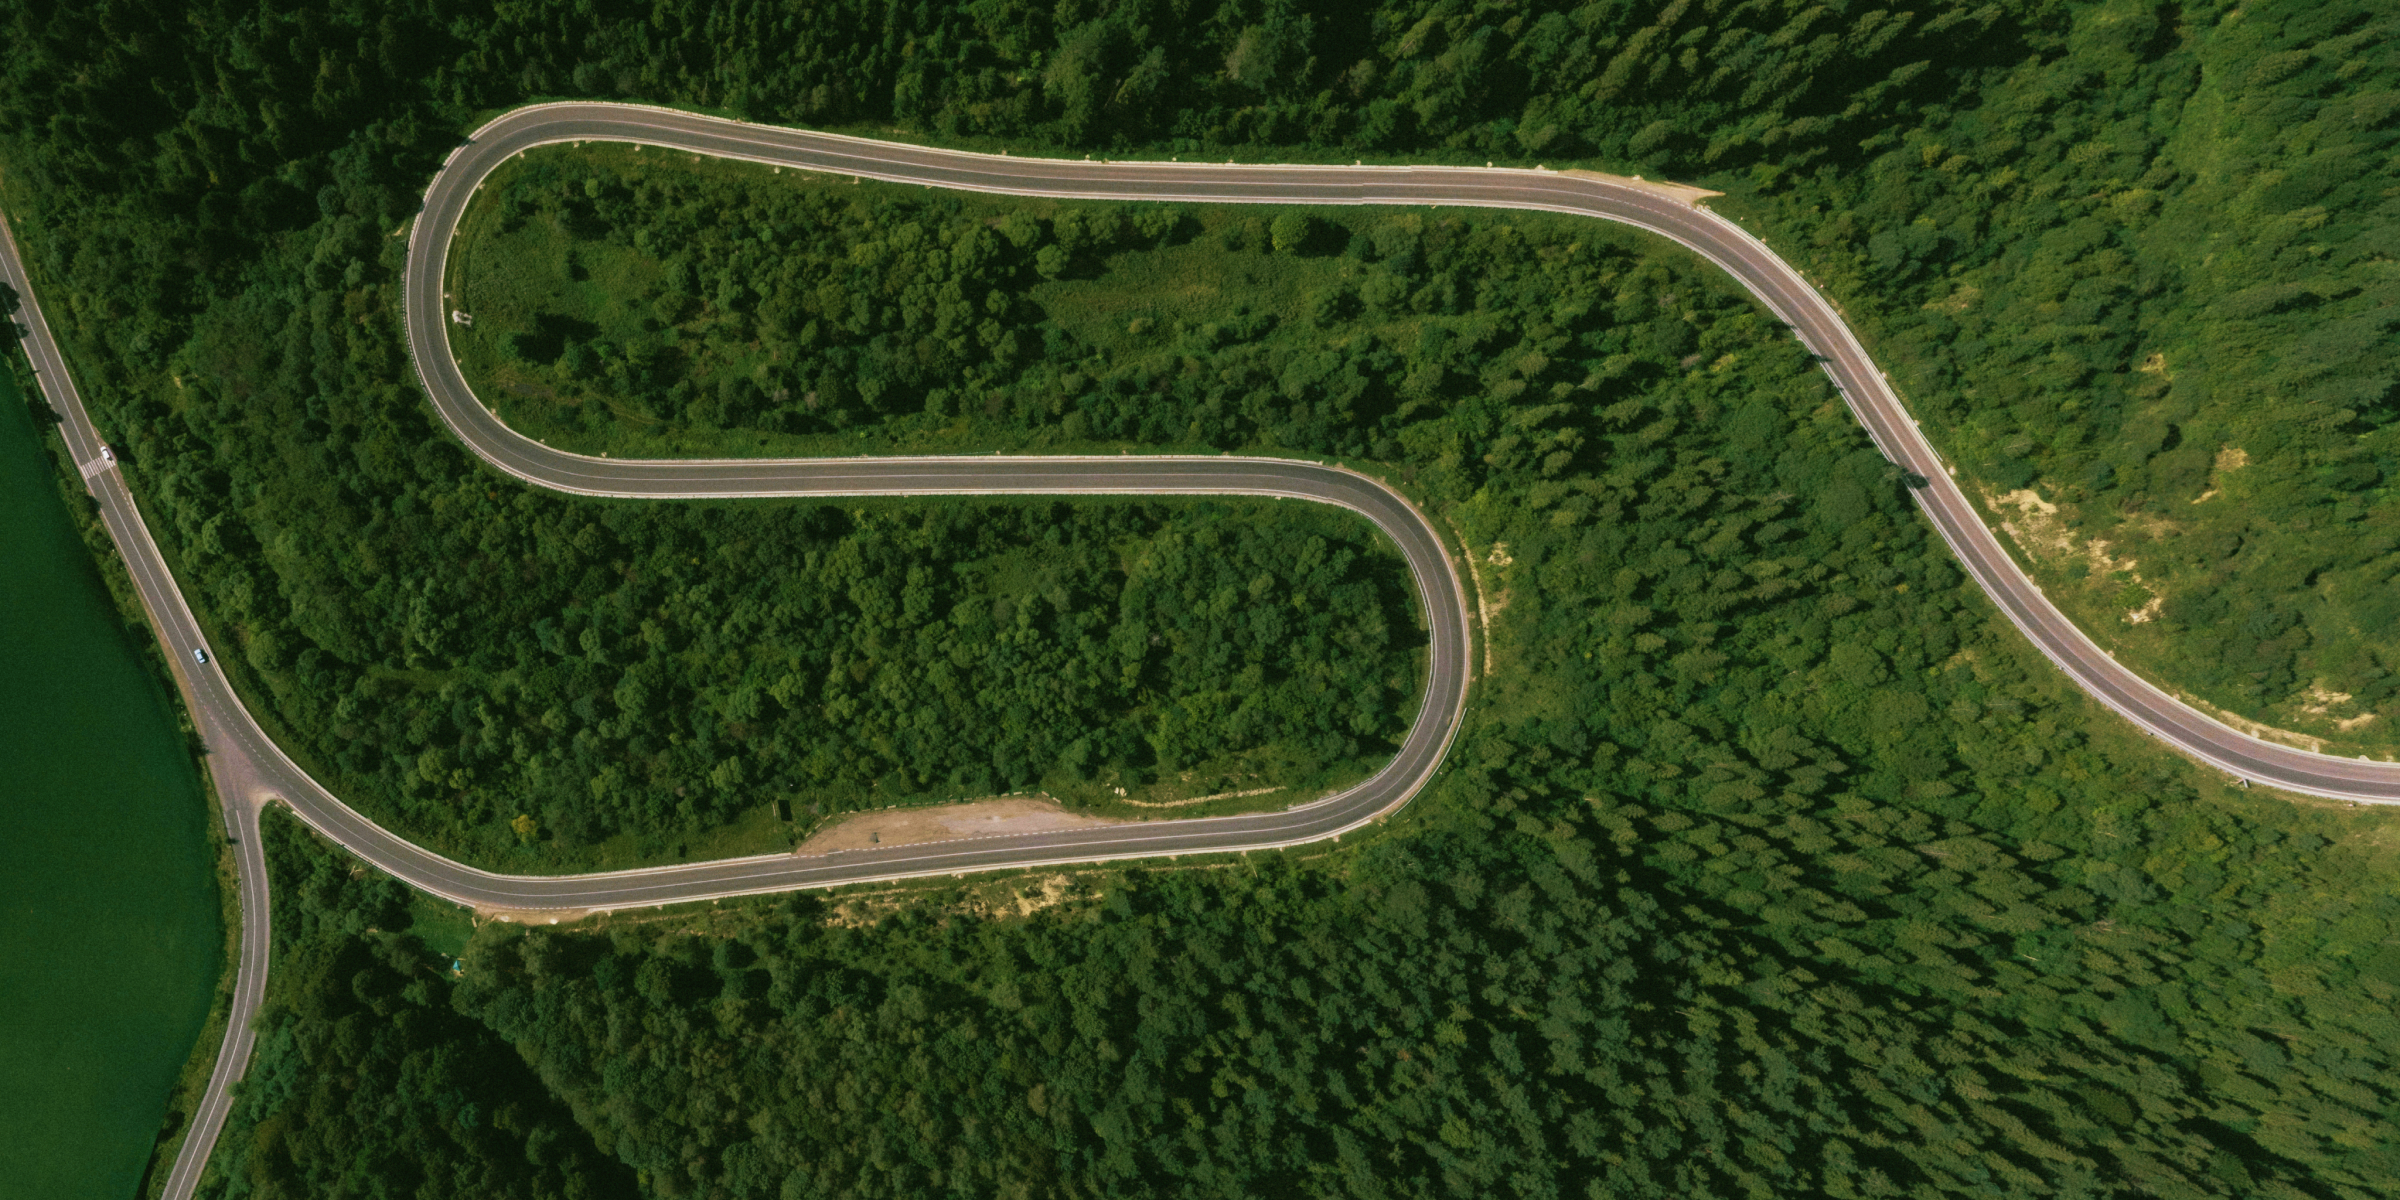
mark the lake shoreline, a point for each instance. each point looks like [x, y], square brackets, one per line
[113, 928]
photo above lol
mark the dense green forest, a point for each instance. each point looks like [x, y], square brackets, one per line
[554, 683]
[2127, 254]
[646, 672]
[1770, 863]
[367, 1082]
[942, 322]
[1811, 879]
[2148, 275]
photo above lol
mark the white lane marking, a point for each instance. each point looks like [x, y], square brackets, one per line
[1771, 284]
[1763, 272]
[1767, 276]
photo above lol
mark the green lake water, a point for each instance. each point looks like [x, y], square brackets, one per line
[110, 942]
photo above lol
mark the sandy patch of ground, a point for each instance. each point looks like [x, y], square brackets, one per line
[2259, 729]
[1020, 897]
[1051, 893]
[2026, 499]
[2229, 458]
[946, 823]
[514, 916]
[1499, 558]
[1486, 608]
[2323, 700]
[2036, 527]
[1677, 192]
[1196, 799]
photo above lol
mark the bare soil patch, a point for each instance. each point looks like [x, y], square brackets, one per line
[2038, 528]
[1680, 193]
[2258, 729]
[946, 823]
[533, 916]
[1265, 791]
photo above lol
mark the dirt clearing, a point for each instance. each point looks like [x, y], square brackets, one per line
[946, 823]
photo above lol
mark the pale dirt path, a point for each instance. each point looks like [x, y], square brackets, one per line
[946, 823]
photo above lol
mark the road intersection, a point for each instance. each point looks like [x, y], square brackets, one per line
[249, 770]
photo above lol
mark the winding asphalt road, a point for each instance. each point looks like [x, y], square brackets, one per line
[250, 770]
[1662, 210]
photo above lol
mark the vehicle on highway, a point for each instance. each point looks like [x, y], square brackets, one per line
[108, 453]
[199, 655]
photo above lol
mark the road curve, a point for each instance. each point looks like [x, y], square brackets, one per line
[215, 713]
[249, 768]
[1659, 210]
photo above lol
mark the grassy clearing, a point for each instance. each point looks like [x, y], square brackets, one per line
[444, 928]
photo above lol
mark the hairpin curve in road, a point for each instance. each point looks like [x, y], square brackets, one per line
[247, 767]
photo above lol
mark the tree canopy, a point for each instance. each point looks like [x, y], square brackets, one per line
[1770, 862]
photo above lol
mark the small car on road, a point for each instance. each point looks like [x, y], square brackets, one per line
[108, 453]
[199, 655]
